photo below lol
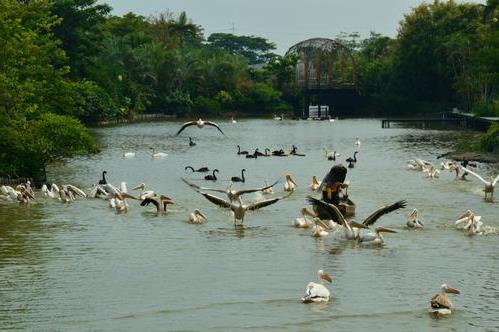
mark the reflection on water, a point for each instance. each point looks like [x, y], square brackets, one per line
[83, 266]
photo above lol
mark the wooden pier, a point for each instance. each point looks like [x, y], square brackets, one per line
[460, 120]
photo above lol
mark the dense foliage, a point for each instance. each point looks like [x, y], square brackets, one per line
[67, 62]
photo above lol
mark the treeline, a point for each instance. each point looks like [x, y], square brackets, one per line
[446, 55]
[68, 62]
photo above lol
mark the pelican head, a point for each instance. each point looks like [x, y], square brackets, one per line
[447, 289]
[325, 276]
[140, 186]
[199, 213]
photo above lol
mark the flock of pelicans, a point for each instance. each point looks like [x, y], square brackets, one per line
[324, 219]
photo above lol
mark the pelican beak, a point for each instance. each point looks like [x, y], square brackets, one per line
[320, 223]
[202, 215]
[452, 290]
[385, 230]
[137, 187]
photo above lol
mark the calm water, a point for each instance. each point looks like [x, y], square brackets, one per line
[83, 267]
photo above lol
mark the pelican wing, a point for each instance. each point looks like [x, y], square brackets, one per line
[148, 201]
[332, 211]
[248, 191]
[197, 188]
[218, 201]
[475, 174]
[213, 124]
[185, 125]
[382, 211]
[267, 202]
[495, 180]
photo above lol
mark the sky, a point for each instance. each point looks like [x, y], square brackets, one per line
[283, 22]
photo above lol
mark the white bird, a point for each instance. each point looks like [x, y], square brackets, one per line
[52, 193]
[489, 185]
[417, 164]
[127, 154]
[440, 303]
[240, 208]
[269, 189]
[160, 202]
[144, 193]
[232, 194]
[317, 292]
[315, 183]
[158, 155]
[197, 217]
[331, 155]
[304, 222]
[290, 184]
[233, 121]
[414, 220]
[469, 222]
[200, 124]
[357, 141]
[431, 172]
[319, 229]
[375, 237]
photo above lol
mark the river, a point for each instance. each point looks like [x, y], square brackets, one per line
[82, 266]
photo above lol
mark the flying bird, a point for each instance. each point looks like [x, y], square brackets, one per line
[200, 124]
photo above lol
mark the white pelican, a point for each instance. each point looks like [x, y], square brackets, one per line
[268, 190]
[155, 154]
[357, 141]
[431, 172]
[304, 222]
[351, 227]
[417, 164]
[414, 220]
[489, 185]
[317, 292]
[290, 184]
[240, 208]
[200, 124]
[52, 193]
[440, 303]
[197, 217]
[159, 201]
[144, 193]
[319, 229]
[279, 118]
[233, 121]
[232, 195]
[374, 237]
[469, 222]
[75, 191]
[127, 154]
[9, 192]
[315, 183]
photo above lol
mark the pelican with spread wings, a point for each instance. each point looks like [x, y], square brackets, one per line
[351, 228]
[489, 185]
[232, 194]
[239, 208]
[200, 124]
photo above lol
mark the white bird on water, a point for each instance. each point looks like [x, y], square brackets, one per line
[157, 155]
[414, 219]
[469, 222]
[290, 184]
[357, 141]
[317, 292]
[440, 303]
[197, 217]
[489, 185]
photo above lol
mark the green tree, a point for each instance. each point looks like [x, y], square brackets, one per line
[255, 49]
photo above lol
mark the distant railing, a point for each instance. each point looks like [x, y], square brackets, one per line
[138, 118]
[14, 181]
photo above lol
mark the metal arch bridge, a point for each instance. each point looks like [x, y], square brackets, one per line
[324, 64]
